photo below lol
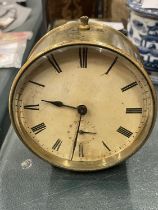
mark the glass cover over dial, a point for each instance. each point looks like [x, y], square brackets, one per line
[82, 107]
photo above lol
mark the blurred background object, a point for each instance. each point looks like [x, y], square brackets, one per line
[12, 48]
[143, 32]
[34, 24]
[7, 17]
[12, 15]
[72, 9]
[117, 10]
[63, 10]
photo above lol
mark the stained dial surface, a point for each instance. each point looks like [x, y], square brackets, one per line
[82, 103]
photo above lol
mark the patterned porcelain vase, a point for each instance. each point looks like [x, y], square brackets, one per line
[143, 32]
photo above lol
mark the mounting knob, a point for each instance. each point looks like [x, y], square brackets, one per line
[84, 23]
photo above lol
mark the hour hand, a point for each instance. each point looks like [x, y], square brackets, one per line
[59, 104]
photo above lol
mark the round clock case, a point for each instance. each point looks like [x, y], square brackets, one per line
[83, 101]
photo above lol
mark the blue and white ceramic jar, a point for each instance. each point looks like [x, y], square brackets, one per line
[143, 32]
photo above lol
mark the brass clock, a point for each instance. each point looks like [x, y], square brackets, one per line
[83, 101]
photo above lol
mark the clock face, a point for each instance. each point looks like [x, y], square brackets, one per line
[82, 107]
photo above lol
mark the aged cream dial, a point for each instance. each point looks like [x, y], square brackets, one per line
[82, 107]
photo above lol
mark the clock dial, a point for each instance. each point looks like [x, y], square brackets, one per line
[83, 104]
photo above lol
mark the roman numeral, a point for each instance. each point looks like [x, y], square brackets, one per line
[83, 56]
[36, 83]
[105, 145]
[32, 107]
[131, 85]
[111, 65]
[38, 128]
[124, 132]
[54, 63]
[81, 150]
[134, 110]
[57, 145]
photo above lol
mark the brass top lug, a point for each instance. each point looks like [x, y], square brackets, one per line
[84, 23]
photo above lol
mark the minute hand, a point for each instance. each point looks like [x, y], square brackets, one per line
[76, 136]
[59, 104]
[82, 110]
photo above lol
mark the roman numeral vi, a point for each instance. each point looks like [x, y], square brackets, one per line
[81, 150]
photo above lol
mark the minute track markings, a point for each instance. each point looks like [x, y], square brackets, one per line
[54, 63]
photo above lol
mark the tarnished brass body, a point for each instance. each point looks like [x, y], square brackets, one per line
[98, 34]
[70, 34]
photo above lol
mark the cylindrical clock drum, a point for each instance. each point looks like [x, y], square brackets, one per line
[83, 101]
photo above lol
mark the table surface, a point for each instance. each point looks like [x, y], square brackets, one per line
[29, 183]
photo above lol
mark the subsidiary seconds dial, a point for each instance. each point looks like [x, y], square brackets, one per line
[82, 106]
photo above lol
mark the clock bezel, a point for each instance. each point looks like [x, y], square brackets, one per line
[79, 166]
